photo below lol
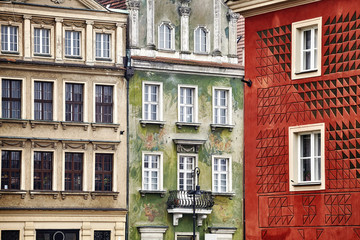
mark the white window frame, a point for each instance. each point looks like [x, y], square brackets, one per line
[22, 166]
[54, 172]
[228, 173]
[199, 40]
[228, 107]
[23, 94]
[7, 50]
[162, 37]
[159, 103]
[195, 164]
[297, 56]
[85, 102]
[111, 34]
[49, 28]
[159, 170]
[115, 111]
[295, 162]
[194, 105]
[81, 42]
[185, 234]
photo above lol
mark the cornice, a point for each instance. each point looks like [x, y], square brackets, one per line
[249, 8]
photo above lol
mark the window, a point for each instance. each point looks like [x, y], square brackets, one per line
[201, 40]
[10, 169]
[102, 235]
[186, 165]
[10, 234]
[43, 100]
[61, 234]
[43, 167]
[41, 41]
[103, 172]
[165, 36]
[72, 43]
[104, 104]
[186, 236]
[152, 171]
[222, 106]
[73, 171]
[187, 104]
[221, 168]
[74, 101]
[11, 98]
[102, 46]
[9, 39]
[306, 157]
[152, 99]
[306, 48]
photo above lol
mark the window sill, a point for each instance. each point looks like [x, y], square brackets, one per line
[74, 57]
[224, 194]
[306, 184]
[188, 124]
[75, 124]
[202, 53]
[104, 193]
[144, 192]
[10, 52]
[103, 59]
[43, 192]
[151, 122]
[74, 193]
[306, 71]
[12, 192]
[13, 120]
[33, 123]
[42, 55]
[105, 125]
[166, 50]
[215, 126]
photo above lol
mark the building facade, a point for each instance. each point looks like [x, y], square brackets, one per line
[185, 114]
[63, 119]
[301, 119]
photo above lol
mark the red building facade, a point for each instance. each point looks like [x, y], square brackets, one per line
[302, 120]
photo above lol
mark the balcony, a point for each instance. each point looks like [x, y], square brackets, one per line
[181, 202]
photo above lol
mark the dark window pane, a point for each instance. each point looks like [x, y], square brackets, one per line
[57, 234]
[73, 171]
[103, 172]
[74, 102]
[104, 104]
[43, 170]
[11, 98]
[102, 235]
[10, 234]
[10, 169]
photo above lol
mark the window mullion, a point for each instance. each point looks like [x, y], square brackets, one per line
[312, 161]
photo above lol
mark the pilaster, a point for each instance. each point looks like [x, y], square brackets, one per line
[134, 6]
[89, 42]
[233, 18]
[184, 12]
[150, 30]
[120, 39]
[27, 35]
[58, 40]
[217, 28]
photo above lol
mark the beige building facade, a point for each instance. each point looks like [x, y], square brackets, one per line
[63, 121]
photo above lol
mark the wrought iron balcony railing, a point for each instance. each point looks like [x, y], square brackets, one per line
[182, 199]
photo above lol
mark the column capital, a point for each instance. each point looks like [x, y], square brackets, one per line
[59, 20]
[233, 17]
[27, 17]
[133, 4]
[184, 11]
[89, 22]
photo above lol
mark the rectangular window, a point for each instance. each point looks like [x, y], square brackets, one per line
[9, 39]
[221, 106]
[186, 167]
[57, 234]
[187, 104]
[200, 40]
[73, 171]
[309, 49]
[43, 101]
[151, 172]
[11, 98]
[72, 43]
[306, 157]
[165, 36]
[103, 172]
[221, 174]
[43, 168]
[10, 234]
[10, 169]
[151, 102]
[41, 41]
[104, 104]
[74, 101]
[102, 45]
[102, 235]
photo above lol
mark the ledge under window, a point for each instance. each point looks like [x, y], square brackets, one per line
[85, 125]
[103, 59]
[75, 193]
[144, 192]
[188, 124]
[13, 120]
[10, 52]
[228, 126]
[225, 194]
[105, 125]
[306, 184]
[74, 57]
[42, 55]
[111, 194]
[55, 194]
[152, 122]
[33, 123]
[12, 192]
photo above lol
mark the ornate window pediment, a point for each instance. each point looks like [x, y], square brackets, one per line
[188, 145]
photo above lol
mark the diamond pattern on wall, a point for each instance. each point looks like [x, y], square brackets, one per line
[273, 55]
[342, 43]
[280, 212]
[309, 208]
[339, 208]
[272, 161]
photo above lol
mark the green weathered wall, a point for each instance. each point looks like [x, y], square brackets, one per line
[151, 209]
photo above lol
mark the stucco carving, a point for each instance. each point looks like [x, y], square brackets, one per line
[133, 4]
[184, 11]
[233, 17]
[58, 1]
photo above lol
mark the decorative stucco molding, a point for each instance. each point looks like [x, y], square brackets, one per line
[188, 145]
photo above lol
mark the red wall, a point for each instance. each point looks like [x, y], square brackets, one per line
[275, 102]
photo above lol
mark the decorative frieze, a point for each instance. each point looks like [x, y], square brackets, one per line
[43, 144]
[188, 145]
[12, 143]
[74, 145]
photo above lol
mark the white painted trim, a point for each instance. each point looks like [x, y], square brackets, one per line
[111, 58]
[195, 101]
[172, 32]
[208, 36]
[179, 234]
[160, 173]
[160, 97]
[178, 164]
[82, 43]
[229, 107]
[19, 26]
[229, 172]
[51, 41]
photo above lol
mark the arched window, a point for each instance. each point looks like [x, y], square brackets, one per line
[201, 43]
[165, 36]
